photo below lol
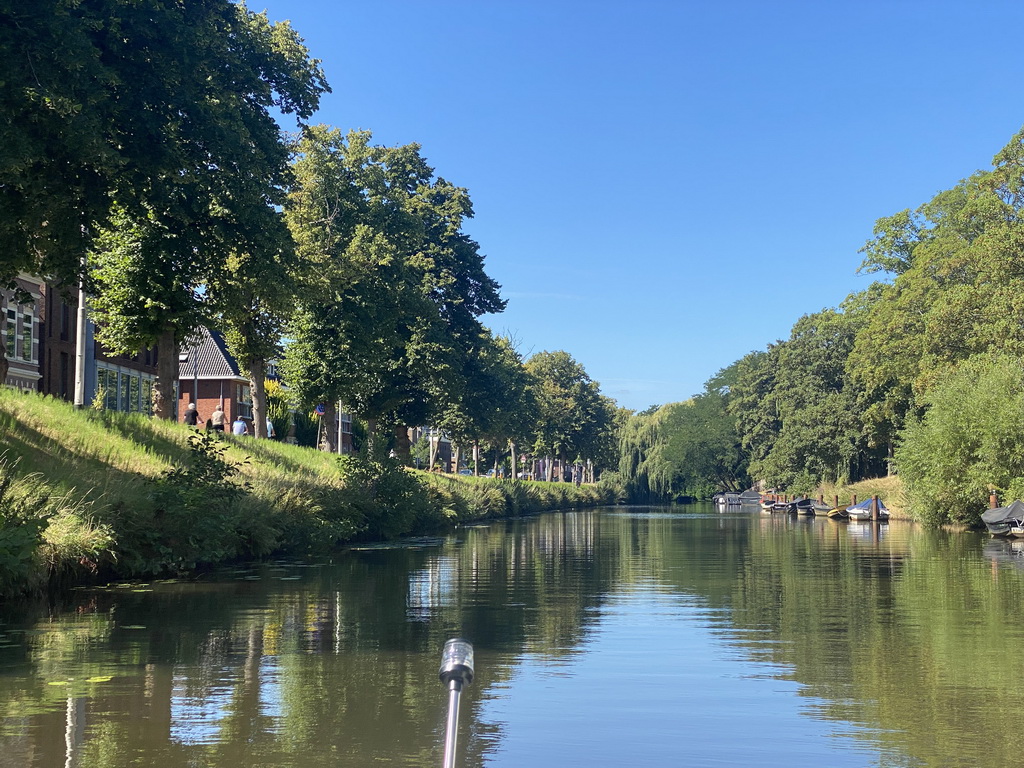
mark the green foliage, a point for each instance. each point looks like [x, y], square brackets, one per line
[388, 498]
[278, 408]
[497, 403]
[201, 512]
[573, 420]
[75, 543]
[685, 450]
[968, 441]
[392, 287]
[307, 429]
[23, 518]
[800, 413]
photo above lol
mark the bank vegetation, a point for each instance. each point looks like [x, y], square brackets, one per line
[918, 375]
[99, 494]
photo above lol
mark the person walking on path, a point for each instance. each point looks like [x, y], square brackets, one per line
[239, 427]
[271, 434]
[217, 419]
[191, 415]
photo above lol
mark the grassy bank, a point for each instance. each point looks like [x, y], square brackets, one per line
[96, 492]
[889, 489]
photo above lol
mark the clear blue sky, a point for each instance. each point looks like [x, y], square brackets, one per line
[662, 187]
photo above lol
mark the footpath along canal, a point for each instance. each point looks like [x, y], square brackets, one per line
[668, 636]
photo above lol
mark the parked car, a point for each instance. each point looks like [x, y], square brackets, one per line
[490, 472]
[465, 471]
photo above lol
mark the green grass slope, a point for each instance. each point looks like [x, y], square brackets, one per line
[96, 492]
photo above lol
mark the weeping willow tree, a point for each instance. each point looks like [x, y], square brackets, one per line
[684, 450]
[642, 463]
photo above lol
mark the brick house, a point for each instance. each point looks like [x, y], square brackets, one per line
[21, 334]
[125, 382]
[208, 375]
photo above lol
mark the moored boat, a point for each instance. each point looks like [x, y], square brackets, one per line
[1005, 521]
[801, 506]
[862, 511]
[820, 508]
[750, 496]
[838, 513]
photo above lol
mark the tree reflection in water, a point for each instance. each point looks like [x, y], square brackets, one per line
[899, 641]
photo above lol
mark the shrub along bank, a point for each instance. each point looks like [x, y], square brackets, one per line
[87, 493]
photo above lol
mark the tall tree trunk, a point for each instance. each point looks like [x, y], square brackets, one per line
[549, 468]
[403, 446]
[166, 374]
[372, 438]
[515, 465]
[433, 445]
[458, 458]
[476, 459]
[257, 384]
[329, 441]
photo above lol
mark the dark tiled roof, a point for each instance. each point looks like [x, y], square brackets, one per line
[207, 357]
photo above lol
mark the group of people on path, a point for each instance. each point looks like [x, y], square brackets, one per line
[218, 419]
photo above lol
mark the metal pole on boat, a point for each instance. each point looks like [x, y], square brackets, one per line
[456, 672]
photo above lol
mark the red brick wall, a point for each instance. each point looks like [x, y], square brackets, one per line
[209, 396]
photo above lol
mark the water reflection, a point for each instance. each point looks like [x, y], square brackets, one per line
[646, 636]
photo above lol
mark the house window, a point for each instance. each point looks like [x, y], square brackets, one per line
[244, 401]
[106, 388]
[134, 394]
[124, 392]
[26, 337]
[11, 333]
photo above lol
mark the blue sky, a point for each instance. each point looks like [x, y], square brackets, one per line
[662, 187]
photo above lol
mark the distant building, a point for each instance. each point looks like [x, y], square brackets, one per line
[21, 334]
[208, 375]
[121, 382]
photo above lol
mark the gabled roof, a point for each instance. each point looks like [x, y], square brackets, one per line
[206, 356]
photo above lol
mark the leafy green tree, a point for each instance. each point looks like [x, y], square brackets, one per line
[703, 442]
[954, 296]
[800, 412]
[57, 161]
[496, 405]
[254, 292]
[967, 442]
[278, 408]
[169, 108]
[752, 403]
[688, 449]
[388, 318]
[148, 295]
[570, 409]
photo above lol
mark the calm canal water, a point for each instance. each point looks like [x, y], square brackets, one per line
[626, 636]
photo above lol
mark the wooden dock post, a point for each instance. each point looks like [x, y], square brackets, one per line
[835, 501]
[853, 499]
[993, 500]
[874, 507]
